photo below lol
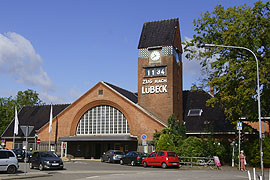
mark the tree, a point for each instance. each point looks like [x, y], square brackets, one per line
[233, 72]
[165, 143]
[7, 105]
[175, 133]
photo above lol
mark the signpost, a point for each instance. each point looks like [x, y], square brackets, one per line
[144, 143]
[26, 131]
[239, 128]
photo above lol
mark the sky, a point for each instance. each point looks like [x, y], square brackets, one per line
[62, 48]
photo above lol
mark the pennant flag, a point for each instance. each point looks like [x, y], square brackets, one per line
[50, 125]
[16, 123]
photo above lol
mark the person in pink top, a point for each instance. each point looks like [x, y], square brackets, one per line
[242, 161]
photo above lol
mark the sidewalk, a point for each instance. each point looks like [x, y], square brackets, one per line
[21, 175]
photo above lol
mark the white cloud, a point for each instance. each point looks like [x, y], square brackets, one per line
[45, 97]
[19, 60]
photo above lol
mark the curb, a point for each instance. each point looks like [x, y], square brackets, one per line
[25, 176]
[85, 159]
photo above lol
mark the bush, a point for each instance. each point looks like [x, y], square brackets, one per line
[254, 154]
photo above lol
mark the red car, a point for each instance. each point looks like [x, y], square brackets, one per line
[161, 158]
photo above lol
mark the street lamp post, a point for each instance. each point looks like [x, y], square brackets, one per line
[259, 97]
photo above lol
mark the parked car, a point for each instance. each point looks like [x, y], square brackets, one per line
[8, 161]
[20, 153]
[161, 158]
[45, 160]
[112, 156]
[133, 158]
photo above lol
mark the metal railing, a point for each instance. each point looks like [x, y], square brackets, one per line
[198, 161]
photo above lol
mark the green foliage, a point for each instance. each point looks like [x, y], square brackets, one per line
[253, 156]
[175, 132]
[195, 147]
[233, 71]
[165, 143]
[191, 147]
[7, 105]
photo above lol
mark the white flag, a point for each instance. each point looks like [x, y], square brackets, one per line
[16, 123]
[50, 125]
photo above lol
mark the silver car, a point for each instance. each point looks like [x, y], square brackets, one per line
[8, 161]
[112, 156]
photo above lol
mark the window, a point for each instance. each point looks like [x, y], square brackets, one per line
[171, 154]
[3, 155]
[100, 92]
[160, 154]
[102, 120]
[153, 154]
[10, 154]
[195, 112]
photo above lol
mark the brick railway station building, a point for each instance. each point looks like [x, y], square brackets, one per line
[109, 117]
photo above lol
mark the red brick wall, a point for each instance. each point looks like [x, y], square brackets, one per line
[139, 122]
[163, 104]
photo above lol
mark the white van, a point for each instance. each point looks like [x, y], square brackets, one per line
[8, 161]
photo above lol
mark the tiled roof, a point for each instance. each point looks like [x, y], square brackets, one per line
[158, 33]
[36, 116]
[210, 117]
[130, 95]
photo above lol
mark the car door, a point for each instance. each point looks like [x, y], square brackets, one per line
[3, 160]
[127, 158]
[160, 158]
[35, 159]
[152, 158]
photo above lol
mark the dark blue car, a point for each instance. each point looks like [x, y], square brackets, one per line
[45, 160]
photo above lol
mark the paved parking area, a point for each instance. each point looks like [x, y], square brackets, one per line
[85, 170]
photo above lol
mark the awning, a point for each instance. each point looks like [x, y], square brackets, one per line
[98, 138]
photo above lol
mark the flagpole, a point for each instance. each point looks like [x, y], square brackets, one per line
[14, 140]
[16, 128]
[50, 128]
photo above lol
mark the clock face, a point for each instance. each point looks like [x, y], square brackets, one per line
[155, 55]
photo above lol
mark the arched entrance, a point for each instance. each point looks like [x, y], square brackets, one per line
[99, 129]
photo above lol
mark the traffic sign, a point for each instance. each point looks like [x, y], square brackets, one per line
[38, 141]
[144, 137]
[64, 145]
[27, 130]
[239, 126]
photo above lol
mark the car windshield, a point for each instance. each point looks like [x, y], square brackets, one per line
[119, 153]
[171, 154]
[48, 154]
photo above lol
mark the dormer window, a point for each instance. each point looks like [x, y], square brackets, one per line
[195, 112]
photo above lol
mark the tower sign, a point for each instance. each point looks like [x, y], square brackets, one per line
[160, 69]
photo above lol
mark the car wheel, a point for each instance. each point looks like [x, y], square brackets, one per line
[164, 165]
[144, 164]
[11, 170]
[31, 166]
[41, 167]
[133, 163]
[121, 162]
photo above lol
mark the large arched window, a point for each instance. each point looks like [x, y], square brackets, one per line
[102, 120]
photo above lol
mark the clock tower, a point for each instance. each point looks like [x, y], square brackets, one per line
[160, 69]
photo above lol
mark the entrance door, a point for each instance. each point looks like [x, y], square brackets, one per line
[97, 150]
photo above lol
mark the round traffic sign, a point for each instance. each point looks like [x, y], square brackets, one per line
[144, 137]
[38, 141]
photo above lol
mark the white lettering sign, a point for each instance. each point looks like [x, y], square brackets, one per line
[154, 89]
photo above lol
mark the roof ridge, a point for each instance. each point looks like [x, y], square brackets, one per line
[118, 87]
[173, 19]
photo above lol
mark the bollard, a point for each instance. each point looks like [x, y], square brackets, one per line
[254, 173]
[260, 177]
[249, 177]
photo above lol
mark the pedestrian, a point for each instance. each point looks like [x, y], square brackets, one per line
[242, 161]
